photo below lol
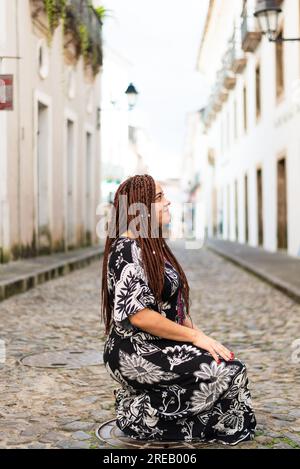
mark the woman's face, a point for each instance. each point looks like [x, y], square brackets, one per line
[163, 215]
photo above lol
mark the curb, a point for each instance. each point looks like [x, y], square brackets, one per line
[24, 282]
[275, 282]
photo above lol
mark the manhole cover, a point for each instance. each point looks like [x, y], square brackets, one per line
[64, 359]
[109, 433]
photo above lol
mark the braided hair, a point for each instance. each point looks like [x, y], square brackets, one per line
[140, 189]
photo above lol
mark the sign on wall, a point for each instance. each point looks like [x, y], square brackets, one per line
[6, 92]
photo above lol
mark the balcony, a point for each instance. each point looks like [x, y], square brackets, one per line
[217, 106]
[250, 34]
[226, 76]
[217, 103]
[39, 15]
[221, 93]
[82, 28]
[208, 115]
[236, 59]
[83, 33]
[82, 13]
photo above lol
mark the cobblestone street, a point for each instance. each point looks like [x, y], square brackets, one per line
[61, 408]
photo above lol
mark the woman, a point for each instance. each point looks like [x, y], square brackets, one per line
[176, 383]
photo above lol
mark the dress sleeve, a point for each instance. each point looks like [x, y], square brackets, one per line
[132, 292]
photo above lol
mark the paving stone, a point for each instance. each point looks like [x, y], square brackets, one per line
[264, 440]
[71, 444]
[51, 437]
[38, 407]
[37, 446]
[281, 446]
[81, 436]
[295, 413]
[78, 426]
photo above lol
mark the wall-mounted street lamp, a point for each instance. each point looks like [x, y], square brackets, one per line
[267, 13]
[132, 94]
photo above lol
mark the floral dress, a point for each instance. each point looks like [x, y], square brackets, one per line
[168, 390]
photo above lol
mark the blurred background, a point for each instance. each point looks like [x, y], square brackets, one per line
[204, 96]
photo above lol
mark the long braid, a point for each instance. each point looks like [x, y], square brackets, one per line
[140, 189]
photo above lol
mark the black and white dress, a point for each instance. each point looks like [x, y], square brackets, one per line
[168, 390]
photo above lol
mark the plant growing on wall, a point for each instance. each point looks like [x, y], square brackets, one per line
[56, 10]
[59, 10]
[102, 13]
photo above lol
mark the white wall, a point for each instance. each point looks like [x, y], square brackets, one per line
[275, 134]
[4, 207]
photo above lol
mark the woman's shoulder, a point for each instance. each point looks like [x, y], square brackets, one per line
[124, 247]
[122, 243]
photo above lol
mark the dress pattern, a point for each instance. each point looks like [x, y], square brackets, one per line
[168, 390]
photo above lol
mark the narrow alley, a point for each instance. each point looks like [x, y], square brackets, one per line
[61, 406]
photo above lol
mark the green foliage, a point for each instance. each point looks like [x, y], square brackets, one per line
[102, 12]
[56, 10]
[84, 39]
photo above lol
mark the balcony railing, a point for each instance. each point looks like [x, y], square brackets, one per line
[251, 36]
[208, 114]
[84, 14]
[236, 59]
[82, 27]
[226, 77]
[221, 93]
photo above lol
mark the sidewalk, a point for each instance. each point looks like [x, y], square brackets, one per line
[19, 276]
[278, 269]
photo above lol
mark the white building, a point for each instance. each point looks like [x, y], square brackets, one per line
[199, 206]
[252, 124]
[114, 121]
[49, 143]
[125, 145]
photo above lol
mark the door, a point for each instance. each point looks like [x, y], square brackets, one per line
[70, 184]
[260, 207]
[246, 210]
[236, 206]
[44, 238]
[281, 205]
[88, 189]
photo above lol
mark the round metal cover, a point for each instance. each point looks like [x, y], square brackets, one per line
[109, 433]
[70, 359]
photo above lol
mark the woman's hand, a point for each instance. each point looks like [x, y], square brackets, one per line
[212, 346]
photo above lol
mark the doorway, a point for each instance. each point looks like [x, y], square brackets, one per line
[70, 185]
[246, 210]
[43, 232]
[88, 190]
[282, 235]
[260, 207]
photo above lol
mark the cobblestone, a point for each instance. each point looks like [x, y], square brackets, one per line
[61, 408]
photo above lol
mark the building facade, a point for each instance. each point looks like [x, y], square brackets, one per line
[50, 142]
[252, 123]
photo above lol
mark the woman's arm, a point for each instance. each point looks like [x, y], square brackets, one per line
[188, 323]
[154, 323]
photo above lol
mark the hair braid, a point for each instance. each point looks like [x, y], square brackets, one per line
[140, 189]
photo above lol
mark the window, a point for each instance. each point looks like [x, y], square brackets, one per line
[43, 59]
[257, 91]
[246, 210]
[260, 221]
[235, 121]
[279, 68]
[228, 130]
[222, 137]
[236, 208]
[245, 108]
